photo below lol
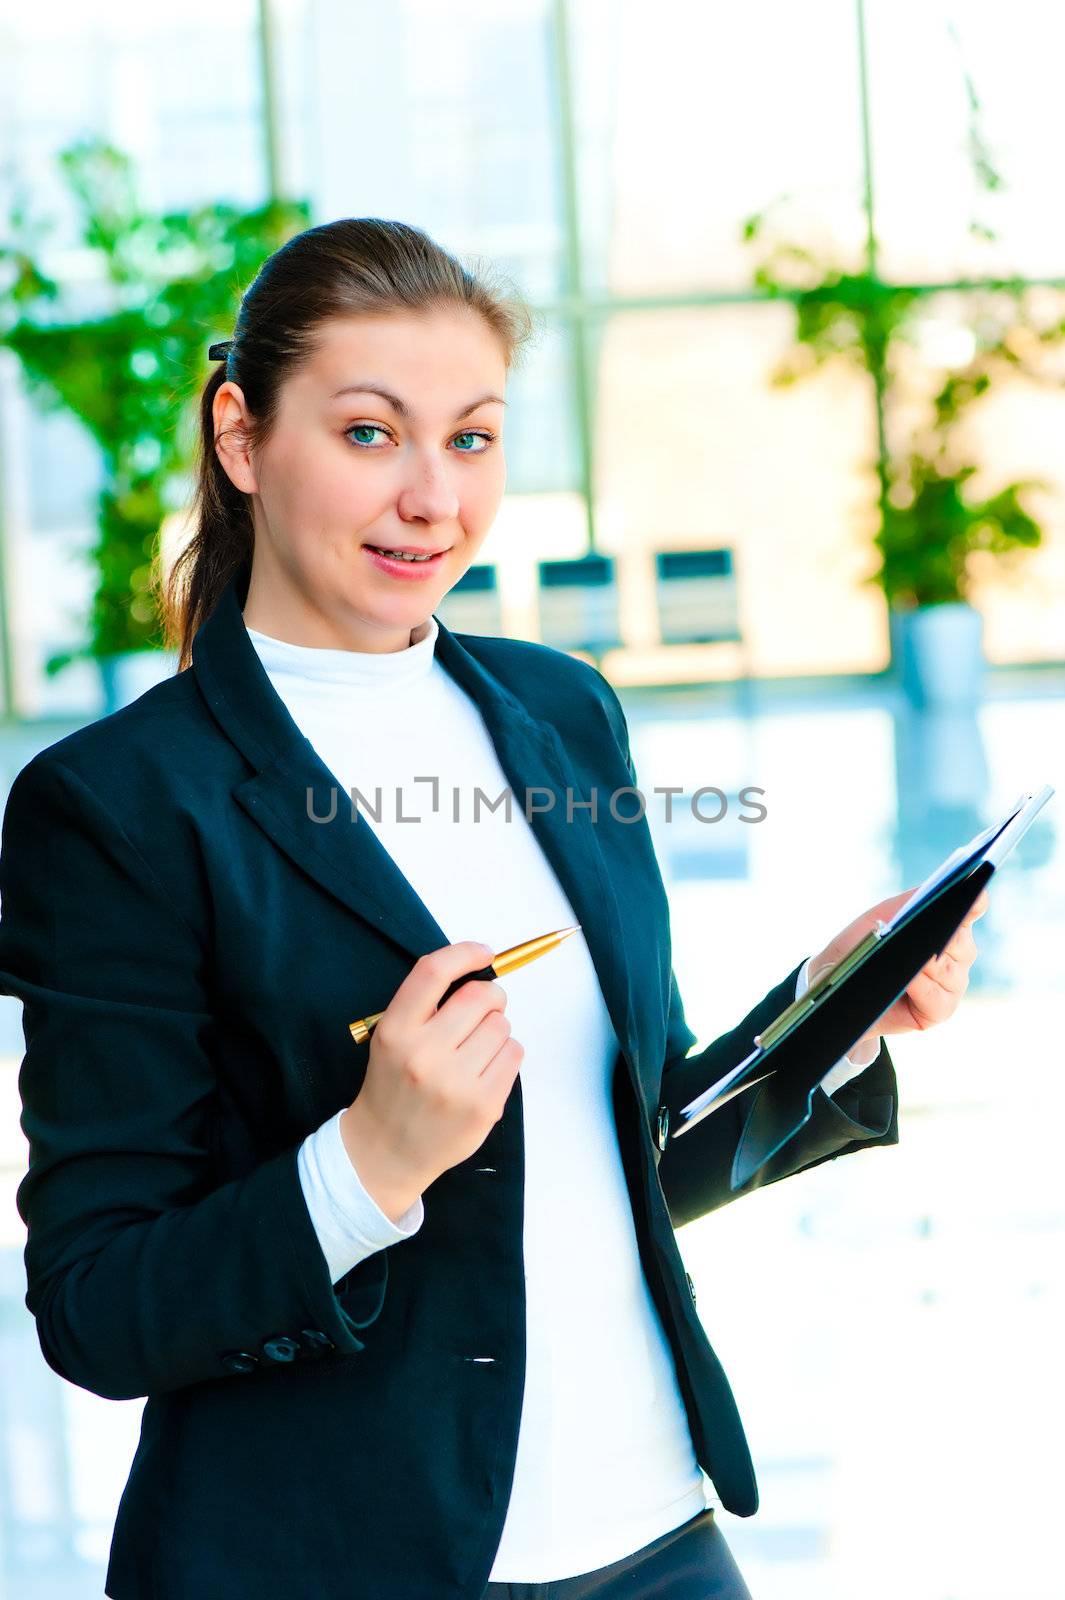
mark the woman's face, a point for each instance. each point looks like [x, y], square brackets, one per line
[343, 472]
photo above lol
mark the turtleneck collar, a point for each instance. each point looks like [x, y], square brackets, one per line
[377, 671]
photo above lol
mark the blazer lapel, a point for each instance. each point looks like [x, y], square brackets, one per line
[534, 758]
[296, 800]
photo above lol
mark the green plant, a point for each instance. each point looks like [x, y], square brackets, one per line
[930, 519]
[131, 372]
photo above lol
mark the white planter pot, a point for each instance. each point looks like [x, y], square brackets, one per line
[938, 652]
[127, 675]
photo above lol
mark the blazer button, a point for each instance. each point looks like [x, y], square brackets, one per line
[662, 1129]
[281, 1348]
[239, 1360]
[691, 1287]
[315, 1339]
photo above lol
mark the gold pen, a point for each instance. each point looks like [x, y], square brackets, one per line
[519, 955]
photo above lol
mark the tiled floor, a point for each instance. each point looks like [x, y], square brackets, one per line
[892, 1322]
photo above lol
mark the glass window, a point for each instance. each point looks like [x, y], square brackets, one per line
[445, 119]
[691, 117]
[542, 441]
[1012, 434]
[182, 97]
[694, 448]
[926, 195]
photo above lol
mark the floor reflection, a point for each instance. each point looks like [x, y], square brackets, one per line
[890, 1322]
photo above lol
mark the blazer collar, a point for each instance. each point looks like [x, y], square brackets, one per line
[291, 786]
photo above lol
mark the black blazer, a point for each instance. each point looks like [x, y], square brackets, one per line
[190, 947]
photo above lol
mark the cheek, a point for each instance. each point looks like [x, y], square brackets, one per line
[321, 493]
[482, 494]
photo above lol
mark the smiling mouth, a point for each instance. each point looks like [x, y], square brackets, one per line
[408, 553]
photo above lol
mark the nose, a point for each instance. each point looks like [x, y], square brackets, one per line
[428, 495]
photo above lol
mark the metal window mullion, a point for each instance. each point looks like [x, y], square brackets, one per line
[8, 706]
[871, 253]
[269, 112]
[572, 307]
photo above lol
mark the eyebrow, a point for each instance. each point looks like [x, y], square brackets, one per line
[401, 408]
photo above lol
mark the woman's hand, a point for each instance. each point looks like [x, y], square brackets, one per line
[436, 1080]
[935, 992]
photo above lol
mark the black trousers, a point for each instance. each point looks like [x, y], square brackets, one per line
[691, 1562]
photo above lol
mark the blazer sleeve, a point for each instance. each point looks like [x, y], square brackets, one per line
[142, 1276]
[695, 1171]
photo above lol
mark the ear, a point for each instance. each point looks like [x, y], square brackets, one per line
[230, 424]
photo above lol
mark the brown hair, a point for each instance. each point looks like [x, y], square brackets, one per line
[354, 266]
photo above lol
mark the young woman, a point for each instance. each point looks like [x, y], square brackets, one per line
[409, 1315]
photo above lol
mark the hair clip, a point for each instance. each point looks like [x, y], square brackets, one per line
[219, 352]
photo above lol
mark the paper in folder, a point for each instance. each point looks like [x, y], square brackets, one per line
[800, 1045]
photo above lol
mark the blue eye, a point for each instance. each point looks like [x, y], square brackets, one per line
[364, 427]
[372, 427]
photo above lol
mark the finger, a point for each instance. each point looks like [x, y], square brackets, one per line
[490, 1033]
[419, 994]
[936, 995]
[949, 974]
[978, 907]
[928, 1002]
[888, 907]
[963, 946]
[464, 1011]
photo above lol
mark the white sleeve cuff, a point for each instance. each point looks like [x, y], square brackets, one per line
[349, 1223]
[846, 1067]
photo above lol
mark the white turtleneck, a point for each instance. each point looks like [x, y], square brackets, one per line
[605, 1462]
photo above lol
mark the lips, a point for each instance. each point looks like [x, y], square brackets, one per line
[395, 567]
[405, 549]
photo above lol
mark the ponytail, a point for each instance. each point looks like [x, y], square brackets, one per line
[222, 541]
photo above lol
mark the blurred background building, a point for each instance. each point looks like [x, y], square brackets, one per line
[608, 157]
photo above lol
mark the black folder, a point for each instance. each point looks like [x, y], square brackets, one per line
[800, 1046]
